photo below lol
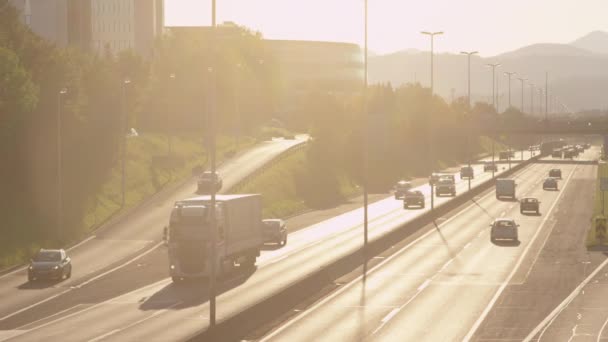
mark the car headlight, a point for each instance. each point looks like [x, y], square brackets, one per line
[56, 267]
[30, 268]
[172, 267]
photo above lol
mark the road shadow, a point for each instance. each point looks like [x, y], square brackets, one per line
[193, 292]
[507, 199]
[446, 244]
[39, 284]
[272, 246]
[482, 208]
[551, 189]
[414, 207]
[529, 213]
[507, 243]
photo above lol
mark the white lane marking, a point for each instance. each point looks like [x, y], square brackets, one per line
[390, 315]
[467, 245]
[93, 306]
[372, 270]
[23, 327]
[69, 249]
[33, 305]
[115, 331]
[424, 285]
[153, 248]
[514, 270]
[446, 264]
[599, 335]
[547, 321]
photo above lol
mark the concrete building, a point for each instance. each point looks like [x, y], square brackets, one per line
[96, 25]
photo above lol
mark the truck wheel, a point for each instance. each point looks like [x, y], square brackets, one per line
[537, 212]
[423, 205]
[284, 241]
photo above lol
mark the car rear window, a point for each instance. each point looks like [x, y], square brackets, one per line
[48, 256]
[504, 224]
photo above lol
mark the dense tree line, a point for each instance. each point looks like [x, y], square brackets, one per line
[97, 106]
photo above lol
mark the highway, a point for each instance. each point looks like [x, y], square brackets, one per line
[119, 243]
[441, 286]
[136, 314]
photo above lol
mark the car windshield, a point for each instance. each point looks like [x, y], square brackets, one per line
[48, 256]
[272, 224]
[209, 175]
[445, 181]
[504, 224]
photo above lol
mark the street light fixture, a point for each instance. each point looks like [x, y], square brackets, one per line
[493, 66]
[61, 93]
[432, 36]
[510, 74]
[469, 54]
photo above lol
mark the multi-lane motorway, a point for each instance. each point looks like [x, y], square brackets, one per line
[136, 314]
[438, 272]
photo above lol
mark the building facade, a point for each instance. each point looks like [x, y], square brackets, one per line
[101, 26]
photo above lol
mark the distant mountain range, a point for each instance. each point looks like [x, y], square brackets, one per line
[578, 72]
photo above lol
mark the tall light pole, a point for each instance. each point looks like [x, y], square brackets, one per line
[60, 94]
[469, 54]
[522, 80]
[211, 123]
[531, 98]
[237, 79]
[510, 74]
[540, 101]
[432, 36]
[493, 66]
[125, 123]
[366, 139]
[546, 96]
[169, 123]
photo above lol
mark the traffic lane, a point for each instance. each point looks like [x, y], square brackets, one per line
[456, 297]
[268, 279]
[385, 290]
[129, 236]
[382, 211]
[590, 154]
[583, 319]
[563, 262]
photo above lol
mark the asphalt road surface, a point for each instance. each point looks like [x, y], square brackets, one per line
[129, 237]
[144, 313]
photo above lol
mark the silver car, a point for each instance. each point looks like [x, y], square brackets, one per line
[504, 229]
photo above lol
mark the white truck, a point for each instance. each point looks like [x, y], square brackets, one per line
[505, 188]
[239, 235]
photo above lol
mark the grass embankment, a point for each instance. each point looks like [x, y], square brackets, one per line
[286, 189]
[602, 172]
[148, 170]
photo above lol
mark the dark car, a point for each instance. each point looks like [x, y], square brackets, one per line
[529, 204]
[413, 198]
[550, 183]
[555, 173]
[490, 167]
[467, 172]
[401, 188]
[445, 186]
[504, 155]
[504, 229]
[275, 231]
[50, 264]
[208, 182]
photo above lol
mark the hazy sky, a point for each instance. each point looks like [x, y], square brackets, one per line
[489, 26]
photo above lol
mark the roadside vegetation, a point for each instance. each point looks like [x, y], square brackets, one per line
[602, 172]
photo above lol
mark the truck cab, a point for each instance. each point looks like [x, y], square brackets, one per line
[505, 188]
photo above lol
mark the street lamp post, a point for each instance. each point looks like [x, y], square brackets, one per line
[430, 147]
[510, 74]
[493, 66]
[125, 122]
[522, 80]
[62, 92]
[531, 98]
[169, 123]
[469, 54]
[432, 36]
[366, 139]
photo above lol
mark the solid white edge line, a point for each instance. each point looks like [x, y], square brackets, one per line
[599, 334]
[566, 301]
[390, 315]
[378, 266]
[82, 284]
[504, 284]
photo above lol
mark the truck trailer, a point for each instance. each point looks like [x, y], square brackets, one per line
[239, 236]
[505, 188]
